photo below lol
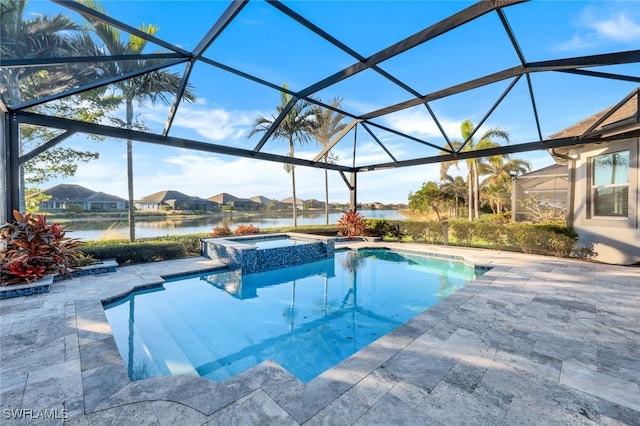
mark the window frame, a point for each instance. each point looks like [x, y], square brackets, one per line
[593, 187]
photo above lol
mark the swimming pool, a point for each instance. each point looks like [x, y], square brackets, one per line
[307, 318]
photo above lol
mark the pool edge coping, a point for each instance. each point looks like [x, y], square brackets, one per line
[107, 385]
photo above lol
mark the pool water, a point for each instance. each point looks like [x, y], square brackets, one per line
[308, 318]
[268, 243]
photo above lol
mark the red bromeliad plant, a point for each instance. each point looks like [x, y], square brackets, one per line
[351, 224]
[246, 230]
[221, 231]
[30, 248]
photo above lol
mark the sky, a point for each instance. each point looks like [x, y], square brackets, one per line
[264, 42]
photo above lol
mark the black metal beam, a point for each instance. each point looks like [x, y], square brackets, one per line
[328, 147]
[93, 85]
[90, 14]
[221, 23]
[564, 65]
[375, 138]
[607, 75]
[615, 58]
[46, 62]
[45, 146]
[486, 116]
[609, 113]
[453, 90]
[502, 150]
[412, 138]
[274, 125]
[175, 142]
[453, 21]
[178, 97]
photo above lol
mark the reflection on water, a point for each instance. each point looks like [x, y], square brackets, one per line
[91, 230]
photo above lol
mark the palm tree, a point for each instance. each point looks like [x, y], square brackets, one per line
[474, 164]
[39, 37]
[329, 124]
[153, 86]
[297, 126]
[454, 187]
[498, 184]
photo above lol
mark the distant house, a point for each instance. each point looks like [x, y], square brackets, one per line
[312, 203]
[268, 203]
[603, 181]
[289, 202]
[174, 200]
[226, 199]
[75, 197]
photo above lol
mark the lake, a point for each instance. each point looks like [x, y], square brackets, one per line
[94, 230]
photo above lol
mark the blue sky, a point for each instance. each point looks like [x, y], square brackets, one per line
[264, 42]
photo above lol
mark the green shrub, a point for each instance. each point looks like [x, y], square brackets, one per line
[463, 230]
[137, 252]
[491, 231]
[543, 238]
[382, 228]
[433, 233]
[415, 230]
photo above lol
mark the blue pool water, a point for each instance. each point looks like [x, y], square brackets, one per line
[267, 243]
[307, 318]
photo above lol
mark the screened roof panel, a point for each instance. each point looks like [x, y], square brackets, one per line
[339, 18]
[224, 109]
[265, 43]
[385, 59]
[468, 50]
[565, 99]
[364, 92]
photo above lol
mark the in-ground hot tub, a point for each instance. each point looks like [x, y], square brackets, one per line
[259, 253]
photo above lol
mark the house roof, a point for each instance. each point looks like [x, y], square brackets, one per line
[261, 199]
[67, 192]
[72, 192]
[289, 200]
[101, 196]
[166, 196]
[223, 198]
[617, 118]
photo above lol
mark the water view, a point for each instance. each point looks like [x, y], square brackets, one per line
[97, 229]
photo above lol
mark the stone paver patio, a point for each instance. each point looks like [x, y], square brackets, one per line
[536, 340]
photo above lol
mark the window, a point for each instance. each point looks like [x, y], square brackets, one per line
[610, 185]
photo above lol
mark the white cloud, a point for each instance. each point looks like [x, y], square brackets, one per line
[575, 43]
[607, 22]
[419, 123]
[617, 28]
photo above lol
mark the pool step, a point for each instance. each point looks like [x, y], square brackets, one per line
[159, 345]
[184, 334]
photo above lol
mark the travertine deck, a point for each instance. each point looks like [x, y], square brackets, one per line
[536, 340]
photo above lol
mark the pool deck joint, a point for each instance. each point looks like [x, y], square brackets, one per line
[534, 340]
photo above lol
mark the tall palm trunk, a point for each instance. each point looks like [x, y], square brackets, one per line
[326, 191]
[470, 197]
[476, 191]
[132, 218]
[293, 184]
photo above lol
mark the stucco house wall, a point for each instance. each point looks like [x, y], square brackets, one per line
[614, 239]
